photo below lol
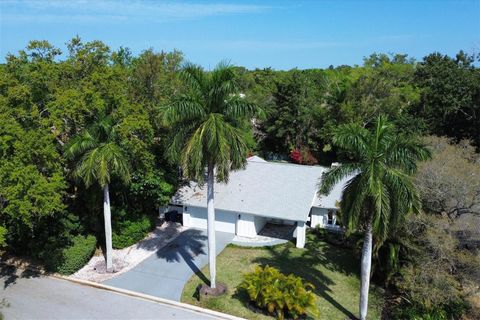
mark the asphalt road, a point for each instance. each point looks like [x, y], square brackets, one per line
[165, 273]
[26, 295]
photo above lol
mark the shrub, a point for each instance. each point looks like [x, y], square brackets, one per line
[279, 294]
[130, 232]
[453, 310]
[70, 259]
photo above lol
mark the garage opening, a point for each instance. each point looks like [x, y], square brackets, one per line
[174, 214]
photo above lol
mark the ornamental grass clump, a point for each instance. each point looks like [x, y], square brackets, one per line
[280, 295]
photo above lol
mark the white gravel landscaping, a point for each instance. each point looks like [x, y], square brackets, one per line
[127, 258]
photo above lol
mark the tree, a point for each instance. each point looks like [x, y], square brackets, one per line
[450, 182]
[450, 95]
[379, 192]
[292, 117]
[209, 121]
[98, 158]
[438, 277]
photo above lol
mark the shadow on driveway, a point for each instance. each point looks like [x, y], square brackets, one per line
[165, 274]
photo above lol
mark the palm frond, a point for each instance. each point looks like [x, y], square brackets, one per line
[352, 138]
[353, 203]
[405, 152]
[87, 169]
[79, 144]
[184, 109]
[100, 156]
[237, 108]
[194, 76]
[334, 175]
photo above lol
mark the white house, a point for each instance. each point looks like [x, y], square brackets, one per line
[273, 192]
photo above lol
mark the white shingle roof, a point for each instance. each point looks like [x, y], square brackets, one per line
[270, 189]
[331, 200]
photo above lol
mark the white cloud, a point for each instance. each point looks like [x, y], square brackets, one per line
[108, 10]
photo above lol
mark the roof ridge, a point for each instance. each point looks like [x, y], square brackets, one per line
[289, 164]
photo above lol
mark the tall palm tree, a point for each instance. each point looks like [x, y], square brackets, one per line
[380, 191]
[97, 158]
[208, 121]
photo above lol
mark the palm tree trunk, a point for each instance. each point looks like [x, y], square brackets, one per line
[211, 227]
[366, 265]
[107, 217]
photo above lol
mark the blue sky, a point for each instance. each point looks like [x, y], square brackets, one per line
[278, 34]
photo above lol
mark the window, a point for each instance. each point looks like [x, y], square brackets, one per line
[330, 217]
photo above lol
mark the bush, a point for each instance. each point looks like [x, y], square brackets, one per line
[279, 294]
[337, 238]
[442, 312]
[70, 259]
[130, 232]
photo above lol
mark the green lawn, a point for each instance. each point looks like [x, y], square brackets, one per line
[332, 270]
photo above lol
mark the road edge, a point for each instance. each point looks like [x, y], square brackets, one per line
[143, 296]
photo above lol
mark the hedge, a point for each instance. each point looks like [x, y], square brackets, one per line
[72, 258]
[130, 232]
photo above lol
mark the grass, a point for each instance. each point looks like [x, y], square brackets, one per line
[332, 270]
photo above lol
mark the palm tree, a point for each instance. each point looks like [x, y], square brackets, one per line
[209, 121]
[380, 191]
[97, 158]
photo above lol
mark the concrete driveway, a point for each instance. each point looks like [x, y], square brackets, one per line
[164, 274]
[26, 295]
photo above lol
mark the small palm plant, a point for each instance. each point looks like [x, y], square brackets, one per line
[208, 121]
[380, 191]
[97, 158]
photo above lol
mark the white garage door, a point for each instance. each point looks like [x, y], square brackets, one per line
[224, 221]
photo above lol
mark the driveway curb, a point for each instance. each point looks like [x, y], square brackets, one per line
[139, 295]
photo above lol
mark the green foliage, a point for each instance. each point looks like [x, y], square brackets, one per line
[45, 101]
[442, 312]
[450, 95]
[129, 232]
[280, 295]
[305, 106]
[340, 239]
[291, 120]
[73, 257]
[3, 233]
[151, 190]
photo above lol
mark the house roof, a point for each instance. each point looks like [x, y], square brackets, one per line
[270, 189]
[331, 200]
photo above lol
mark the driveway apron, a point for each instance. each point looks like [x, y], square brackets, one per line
[165, 273]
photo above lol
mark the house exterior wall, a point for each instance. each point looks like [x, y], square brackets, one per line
[319, 217]
[249, 225]
[186, 219]
[225, 221]
[246, 225]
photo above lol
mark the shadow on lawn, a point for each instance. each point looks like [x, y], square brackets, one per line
[315, 253]
[187, 246]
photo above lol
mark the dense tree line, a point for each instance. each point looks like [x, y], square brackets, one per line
[50, 100]
[438, 95]
[45, 103]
